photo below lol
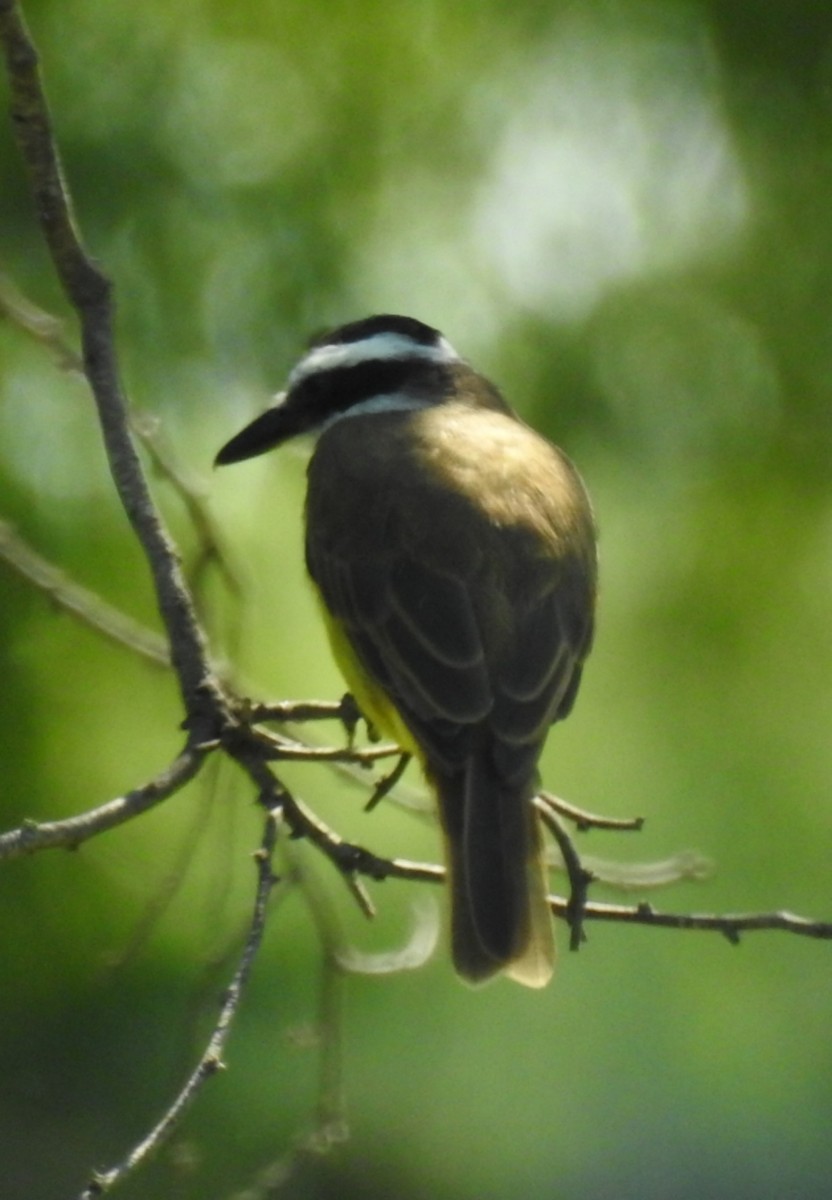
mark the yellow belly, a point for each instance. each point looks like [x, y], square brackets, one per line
[373, 701]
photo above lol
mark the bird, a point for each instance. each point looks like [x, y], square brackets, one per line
[453, 552]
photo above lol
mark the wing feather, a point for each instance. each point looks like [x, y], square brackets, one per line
[437, 609]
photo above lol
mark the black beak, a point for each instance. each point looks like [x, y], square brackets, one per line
[268, 430]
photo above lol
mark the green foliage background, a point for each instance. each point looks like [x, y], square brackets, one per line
[620, 210]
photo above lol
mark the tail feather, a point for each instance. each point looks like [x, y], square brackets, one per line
[500, 920]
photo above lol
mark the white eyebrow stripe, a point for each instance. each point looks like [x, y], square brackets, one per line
[379, 346]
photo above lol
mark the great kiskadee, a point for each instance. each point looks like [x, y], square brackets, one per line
[453, 552]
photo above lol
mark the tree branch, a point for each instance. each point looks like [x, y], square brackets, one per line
[352, 861]
[279, 747]
[583, 820]
[579, 877]
[730, 925]
[72, 832]
[299, 711]
[90, 293]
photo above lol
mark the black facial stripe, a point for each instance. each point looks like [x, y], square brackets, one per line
[327, 393]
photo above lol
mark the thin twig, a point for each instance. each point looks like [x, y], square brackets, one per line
[584, 820]
[386, 784]
[81, 603]
[298, 711]
[277, 747]
[304, 824]
[579, 877]
[211, 1061]
[70, 833]
[350, 858]
[730, 925]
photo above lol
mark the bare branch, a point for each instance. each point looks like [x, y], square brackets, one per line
[353, 861]
[388, 782]
[83, 604]
[193, 494]
[90, 293]
[350, 858]
[579, 877]
[299, 711]
[278, 747]
[69, 834]
[211, 1061]
[730, 925]
[584, 820]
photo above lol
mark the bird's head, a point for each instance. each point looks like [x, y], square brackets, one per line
[378, 364]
